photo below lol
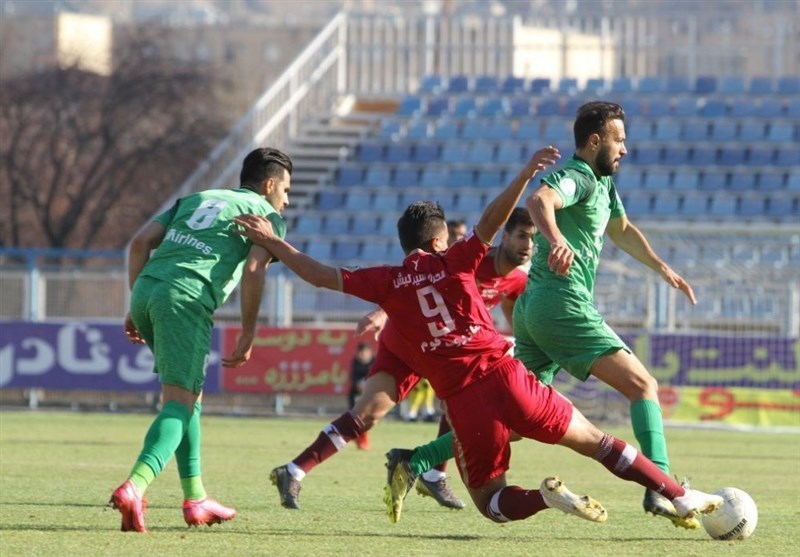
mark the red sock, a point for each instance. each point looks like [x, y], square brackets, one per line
[515, 503]
[444, 427]
[627, 463]
[333, 438]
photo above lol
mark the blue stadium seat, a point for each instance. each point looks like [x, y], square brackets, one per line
[356, 200]
[722, 204]
[461, 178]
[437, 106]
[529, 130]
[447, 128]
[658, 106]
[364, 225]
[480, 152]
[742, 106]
[508, 152]
[649, 85]
[667, 130]
[595, 87]
[346, 250]
[621, 85]
[549, 106]
[665, 204]
[793, 180]
[434, 177]
[493, 107]
[695, 129]
[723, 130]
[378, 176]
[779, 206]
[397, 152]
[465, 107]
[512, 84]
[418, 129]
[499, 130]
[469, 202]
[567, 86]
[761, 85]
[424, 152]
[713, 181]
[388, 224]
[630, 177]
[458, 84]
[788, 156]
[486, 84]
[641, 129]
[490, 179]
[752, 205]
[686, 179]
[395, 254]
[405, 177]
[742, 181]
[336, 224]
[789, 85]
[646, 155]
[374, 251]
[327, 200]
[760, 156]
[571, 106]
[771, 181]
[677, 84]
[320, 248]
[714, 108]
[657, 179]
[410, 105]
[370, 152]
[769, 107]
[793, 108]
[519, 107]
[703, 156]
[705, 84]
[780, 131]
[637, 204]
[694, 204]
[675, 155]
[432, 84]
[632, 106]
[732, 85]
[751, 130]
[474, 129]
[347, 176]
[731, 155]
[685, 106]
[391, 128]
[454, 153]
[557, 130]
[540, 85]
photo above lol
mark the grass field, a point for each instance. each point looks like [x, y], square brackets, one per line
[57, 471]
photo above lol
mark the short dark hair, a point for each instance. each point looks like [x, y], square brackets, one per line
[519, 217]
[419, 224]
[261, 164]
[592, 118]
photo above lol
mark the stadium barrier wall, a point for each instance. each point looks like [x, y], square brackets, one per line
[708, 379]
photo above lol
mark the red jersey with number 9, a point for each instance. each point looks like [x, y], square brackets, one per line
[441, 327]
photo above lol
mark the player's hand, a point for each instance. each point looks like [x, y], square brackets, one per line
[541, 159]
[244, 347]
[256, 228]
[373, 322]
[132, 332]
[560, 258]
[677, 281]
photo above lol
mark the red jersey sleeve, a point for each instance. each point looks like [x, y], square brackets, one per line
[465, 255]
[371, 283]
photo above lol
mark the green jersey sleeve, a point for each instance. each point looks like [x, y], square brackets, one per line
[165, 218]
[615, 203]
[569, 189]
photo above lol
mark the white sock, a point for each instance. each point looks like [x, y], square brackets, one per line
[295, 471]
[433, 475]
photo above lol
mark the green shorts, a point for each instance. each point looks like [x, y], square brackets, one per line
[177, 328]
[554, 331]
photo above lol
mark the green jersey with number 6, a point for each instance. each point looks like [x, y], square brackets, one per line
[200, 254]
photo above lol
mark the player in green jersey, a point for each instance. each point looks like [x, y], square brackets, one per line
[196, 263]
[556, 324]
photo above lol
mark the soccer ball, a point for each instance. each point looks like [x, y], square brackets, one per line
[736, 519]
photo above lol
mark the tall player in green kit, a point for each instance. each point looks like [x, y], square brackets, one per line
[556, 324]
[196, 264]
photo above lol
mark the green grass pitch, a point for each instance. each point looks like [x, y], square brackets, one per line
[57, 471]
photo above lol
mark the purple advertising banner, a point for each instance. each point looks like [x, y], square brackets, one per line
[81, 355]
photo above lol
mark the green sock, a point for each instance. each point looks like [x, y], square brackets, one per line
[187, 456]
[432, 453]
[162, 439]
[648, 428]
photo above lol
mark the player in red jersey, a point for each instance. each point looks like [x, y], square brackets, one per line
[445, 332]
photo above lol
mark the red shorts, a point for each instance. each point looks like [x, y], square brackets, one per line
[484, 413]
[387, 362]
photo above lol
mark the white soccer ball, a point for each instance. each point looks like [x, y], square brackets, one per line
[736, 519]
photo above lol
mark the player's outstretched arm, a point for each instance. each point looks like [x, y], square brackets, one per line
[542, 206]
[497, 212]
[631, 240]
[259, 230]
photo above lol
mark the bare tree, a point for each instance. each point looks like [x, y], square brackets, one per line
[86, 158]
